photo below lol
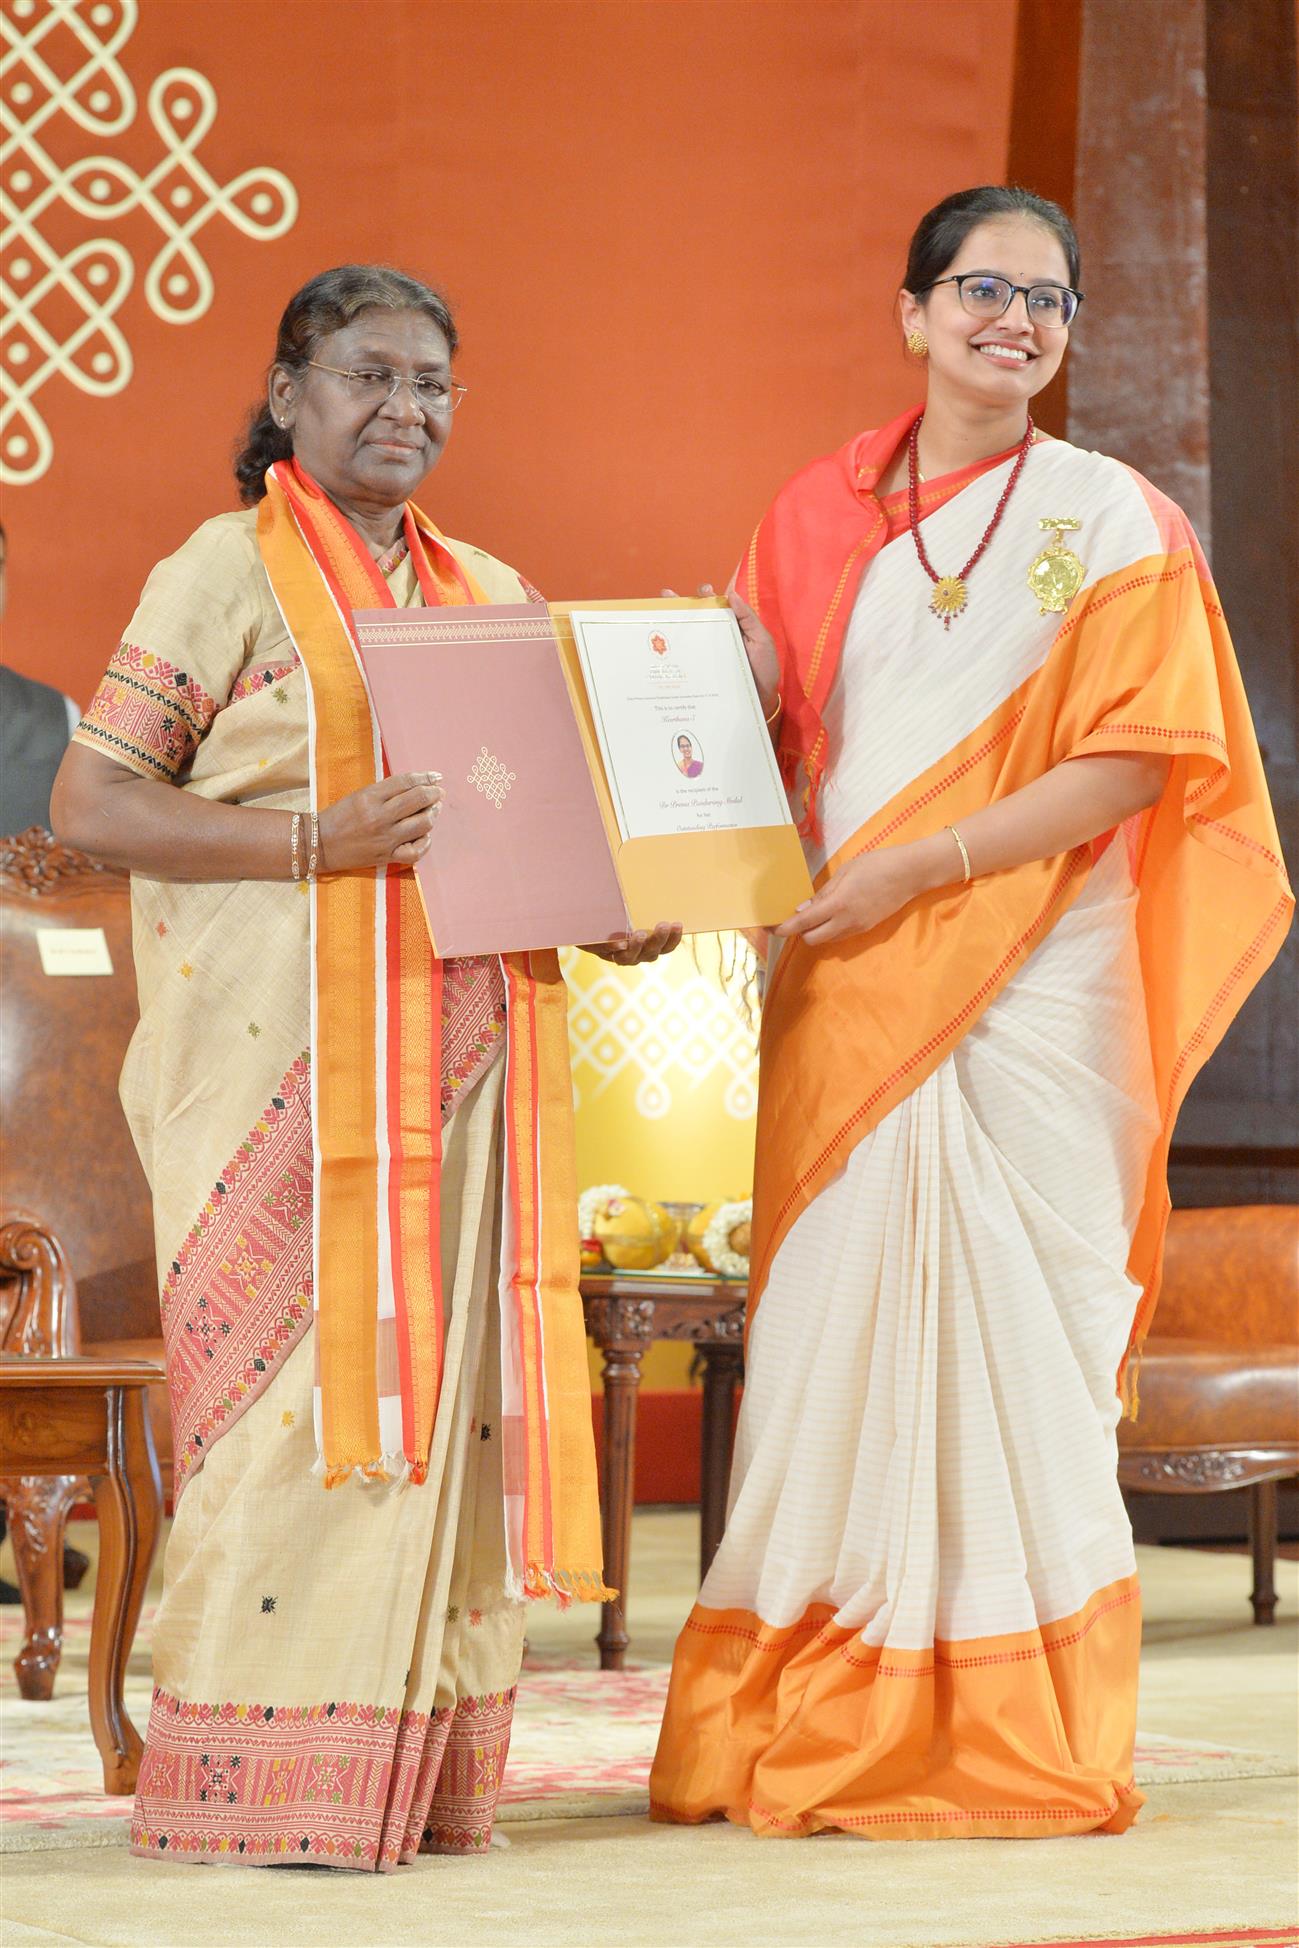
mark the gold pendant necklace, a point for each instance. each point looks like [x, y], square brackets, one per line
[950, 595]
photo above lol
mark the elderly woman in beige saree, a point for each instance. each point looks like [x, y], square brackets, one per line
[344, 1139]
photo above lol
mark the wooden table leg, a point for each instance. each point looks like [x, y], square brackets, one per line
[723, 1363]
[1262, 1535]
[128, 1501]
[38, 1508]
[621, 1373]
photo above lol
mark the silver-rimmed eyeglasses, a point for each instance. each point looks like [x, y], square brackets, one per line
[373, 385]
[986, 296]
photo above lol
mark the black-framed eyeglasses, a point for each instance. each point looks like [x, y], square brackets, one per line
[985, 295]
[373, 385]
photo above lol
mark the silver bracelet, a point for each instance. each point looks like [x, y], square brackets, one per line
[313, 858]
[294, 861]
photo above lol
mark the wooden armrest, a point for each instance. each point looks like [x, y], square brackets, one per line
[44, 1319]
[74, 1370]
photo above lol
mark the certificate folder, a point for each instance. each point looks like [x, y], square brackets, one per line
[529, 850]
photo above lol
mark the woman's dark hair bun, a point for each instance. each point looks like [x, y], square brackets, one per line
[942, 230]
[326, 304]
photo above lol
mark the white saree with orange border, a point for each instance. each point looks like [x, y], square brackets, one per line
[923, 1620]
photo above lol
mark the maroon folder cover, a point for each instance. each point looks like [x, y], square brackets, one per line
[519, 856]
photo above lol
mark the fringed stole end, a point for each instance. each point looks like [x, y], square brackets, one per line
[1129, 1376]
[566, 1586]
[799, 769]
[394, 1470]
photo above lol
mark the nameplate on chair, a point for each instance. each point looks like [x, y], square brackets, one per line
[74, 950]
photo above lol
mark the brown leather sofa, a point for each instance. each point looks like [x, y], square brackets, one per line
[1218, 1386]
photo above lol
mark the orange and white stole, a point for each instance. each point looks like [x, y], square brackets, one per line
[376, 1013]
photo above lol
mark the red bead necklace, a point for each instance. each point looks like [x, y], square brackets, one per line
[950, 593]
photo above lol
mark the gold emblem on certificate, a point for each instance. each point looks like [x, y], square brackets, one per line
[1056, 575]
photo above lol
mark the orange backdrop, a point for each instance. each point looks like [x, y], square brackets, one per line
[672, 230]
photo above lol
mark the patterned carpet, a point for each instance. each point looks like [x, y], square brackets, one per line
[1210, 1864]
[583, 1741]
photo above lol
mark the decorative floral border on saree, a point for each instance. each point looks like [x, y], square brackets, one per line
[364, 1786]
[473, 1023]
[237, 1294]
[146, 713]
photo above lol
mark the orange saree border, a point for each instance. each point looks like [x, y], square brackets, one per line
[834, 1750]
[317, 578]
[1143, 661]
[562, 1552]
[414, 1201]
[377, 986]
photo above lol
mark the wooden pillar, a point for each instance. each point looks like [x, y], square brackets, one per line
[1248, 1097]
[1044, 139]
[1140, 380]
[1181, 169]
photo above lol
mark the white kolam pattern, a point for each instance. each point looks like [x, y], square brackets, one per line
[61, 304]
[670, 1032]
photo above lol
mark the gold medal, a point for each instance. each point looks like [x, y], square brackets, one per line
[1056, 575]
[948, 599]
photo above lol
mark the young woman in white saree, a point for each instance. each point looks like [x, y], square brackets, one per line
[1047, 876]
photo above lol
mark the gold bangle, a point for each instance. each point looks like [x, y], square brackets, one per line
[965, 857]
[769, 721]
[294, 861]
[313, 858]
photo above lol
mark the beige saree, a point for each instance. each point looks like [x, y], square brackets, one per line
[334, 1671]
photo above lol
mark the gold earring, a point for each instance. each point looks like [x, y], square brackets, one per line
[917, 344]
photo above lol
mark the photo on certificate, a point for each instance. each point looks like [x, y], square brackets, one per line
[677, 715]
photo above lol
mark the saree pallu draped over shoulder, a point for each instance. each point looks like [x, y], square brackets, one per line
[924, 1620]
[1142, 661]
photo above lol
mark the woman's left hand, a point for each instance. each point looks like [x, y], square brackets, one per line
[863, 894]
[630, 949]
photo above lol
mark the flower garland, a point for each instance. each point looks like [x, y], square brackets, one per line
[717, 1239]
[596, 1203]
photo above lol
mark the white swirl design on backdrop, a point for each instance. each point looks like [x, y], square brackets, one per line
[60, 305]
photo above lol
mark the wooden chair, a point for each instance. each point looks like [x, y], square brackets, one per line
[77, 1272]
[1219, 1381]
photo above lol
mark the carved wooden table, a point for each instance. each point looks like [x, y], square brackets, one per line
[68, 1417]
[625, 1313]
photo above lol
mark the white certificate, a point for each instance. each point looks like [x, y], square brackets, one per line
[681, 732]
